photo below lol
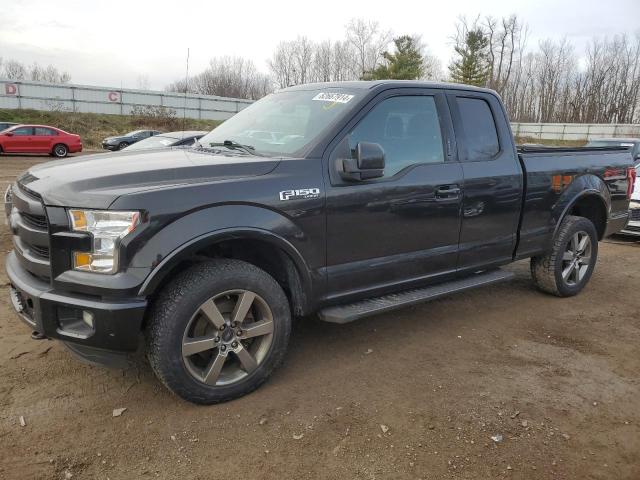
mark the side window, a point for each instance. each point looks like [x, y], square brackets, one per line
[41, 131]
[23, 131]
[481, 135]
[407, 128]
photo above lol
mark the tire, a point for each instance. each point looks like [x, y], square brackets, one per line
[60, 150]
[547, 270]
[202, 362]
[122, 145]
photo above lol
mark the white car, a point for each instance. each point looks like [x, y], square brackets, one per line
[633, 226]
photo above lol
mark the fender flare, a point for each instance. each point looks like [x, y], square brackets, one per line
[581, 187]
[188, 248]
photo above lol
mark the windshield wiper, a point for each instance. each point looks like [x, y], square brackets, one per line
[250, 149]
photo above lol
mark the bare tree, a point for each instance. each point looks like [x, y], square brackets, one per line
[227, 77]
[14, 70]
[369, 43]
[143, 83]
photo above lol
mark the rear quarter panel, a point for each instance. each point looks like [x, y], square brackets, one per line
[556, 180]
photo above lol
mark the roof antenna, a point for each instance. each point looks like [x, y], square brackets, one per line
[186, 87]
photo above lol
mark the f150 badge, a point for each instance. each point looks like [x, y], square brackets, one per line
[299, 194]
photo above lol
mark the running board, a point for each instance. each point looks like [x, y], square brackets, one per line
[373, 306]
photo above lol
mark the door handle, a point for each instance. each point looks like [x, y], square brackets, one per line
[447, 192]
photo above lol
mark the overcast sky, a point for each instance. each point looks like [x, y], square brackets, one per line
[112, 43]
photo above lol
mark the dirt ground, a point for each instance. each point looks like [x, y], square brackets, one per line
[414, 394]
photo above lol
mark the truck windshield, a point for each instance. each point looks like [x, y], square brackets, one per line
[285, 122]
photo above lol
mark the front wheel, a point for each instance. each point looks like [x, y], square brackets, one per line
[567, 268]
[218, 331]
[122, 145]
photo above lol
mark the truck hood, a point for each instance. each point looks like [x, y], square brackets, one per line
[96, 181]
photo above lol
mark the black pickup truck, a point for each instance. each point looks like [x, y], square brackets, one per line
[339, 199]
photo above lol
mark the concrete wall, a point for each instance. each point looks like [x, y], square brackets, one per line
[574, 131]
[83, 98]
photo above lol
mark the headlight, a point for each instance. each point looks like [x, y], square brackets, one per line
[107, 228]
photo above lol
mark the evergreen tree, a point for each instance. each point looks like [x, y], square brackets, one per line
[472, 66]
[406, 63]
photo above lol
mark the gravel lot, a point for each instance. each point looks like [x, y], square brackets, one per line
[414, 394]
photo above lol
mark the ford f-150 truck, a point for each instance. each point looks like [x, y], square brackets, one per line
[339, 199]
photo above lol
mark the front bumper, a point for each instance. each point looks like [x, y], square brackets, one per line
[633, 226]
[109, 146]
[115, 325]
[616, 223]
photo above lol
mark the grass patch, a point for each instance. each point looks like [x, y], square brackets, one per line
[93, 127]
[554, 143]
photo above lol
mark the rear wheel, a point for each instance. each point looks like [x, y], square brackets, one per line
[122, 145]
[218, 331]
[567, 268]
[60, 150]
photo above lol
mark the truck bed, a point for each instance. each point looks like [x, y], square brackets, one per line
[555, 176]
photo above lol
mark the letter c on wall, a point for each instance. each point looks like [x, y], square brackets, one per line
[113, 96]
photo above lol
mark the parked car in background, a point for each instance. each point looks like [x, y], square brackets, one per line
[39, 139]
[123, 141]
[166, 140]
[633, 226]
[5, 125]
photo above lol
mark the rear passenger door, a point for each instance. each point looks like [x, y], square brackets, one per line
[401, 228]
[43, 139]
[492, 180]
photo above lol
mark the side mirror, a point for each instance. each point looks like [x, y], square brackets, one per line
[9, 134]
[367, 164]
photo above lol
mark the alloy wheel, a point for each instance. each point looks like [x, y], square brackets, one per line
[227, 338]
[576, 258]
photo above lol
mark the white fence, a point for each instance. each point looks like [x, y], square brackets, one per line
[574, 131]
[121, 101]
[83, 98]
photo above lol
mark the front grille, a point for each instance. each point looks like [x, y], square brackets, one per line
[634, 214]
[30, 230]
[42, 252]
[35, 221]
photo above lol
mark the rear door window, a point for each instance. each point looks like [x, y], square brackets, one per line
[480, 132]
[45, 132]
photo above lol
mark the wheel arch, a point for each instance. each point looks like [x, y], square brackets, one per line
[262, 248]
[588, 197]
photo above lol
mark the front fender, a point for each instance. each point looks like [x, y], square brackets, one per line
[192, 232]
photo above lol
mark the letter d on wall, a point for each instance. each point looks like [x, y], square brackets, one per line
[10, 89]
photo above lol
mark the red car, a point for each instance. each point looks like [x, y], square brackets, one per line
[39, 139]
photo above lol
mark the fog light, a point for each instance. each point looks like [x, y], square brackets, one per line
[87, 317]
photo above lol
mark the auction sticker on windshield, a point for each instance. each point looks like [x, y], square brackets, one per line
[332, 97]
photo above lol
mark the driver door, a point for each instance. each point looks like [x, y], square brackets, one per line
[388, 233]
[19, 141]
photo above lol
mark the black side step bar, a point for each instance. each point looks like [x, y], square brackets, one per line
[373, 306]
